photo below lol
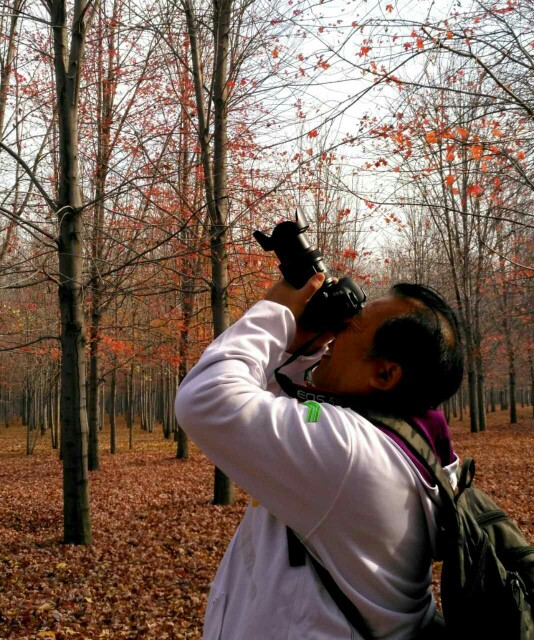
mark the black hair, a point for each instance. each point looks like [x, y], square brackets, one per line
[426, 343]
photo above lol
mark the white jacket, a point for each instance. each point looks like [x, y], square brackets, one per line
[354, 498]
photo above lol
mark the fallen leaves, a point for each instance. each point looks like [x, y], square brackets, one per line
[157, 538]
[157, 544]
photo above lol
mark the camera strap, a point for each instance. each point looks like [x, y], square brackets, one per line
[306, 392]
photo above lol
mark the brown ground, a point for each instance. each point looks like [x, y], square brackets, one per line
[157, 538]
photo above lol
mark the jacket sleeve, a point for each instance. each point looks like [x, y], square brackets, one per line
[269, 445]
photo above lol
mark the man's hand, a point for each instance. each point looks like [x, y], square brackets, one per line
[296, 300]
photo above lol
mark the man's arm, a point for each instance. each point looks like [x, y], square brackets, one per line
[267, 444]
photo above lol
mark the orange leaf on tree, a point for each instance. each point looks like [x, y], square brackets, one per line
[476, 150]
[474, 190]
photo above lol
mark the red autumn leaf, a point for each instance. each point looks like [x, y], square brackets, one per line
[432, 137]
[389, 8]
[313, 134]
[275, 53]
[476, 150]
[420, 43]
[364, 51]
[449, 180]
[474, 190]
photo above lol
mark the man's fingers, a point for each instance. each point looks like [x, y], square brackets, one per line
[313, 285]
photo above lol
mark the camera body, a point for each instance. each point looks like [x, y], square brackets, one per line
[335, 302]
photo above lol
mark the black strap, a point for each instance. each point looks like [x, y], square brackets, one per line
[297, 557]
[295, 549]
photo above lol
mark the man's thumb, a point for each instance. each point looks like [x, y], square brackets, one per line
[313, 284]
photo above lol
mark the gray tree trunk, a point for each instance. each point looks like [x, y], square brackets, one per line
[68, 63]
[215, 176]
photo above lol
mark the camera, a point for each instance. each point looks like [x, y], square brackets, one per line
[335, 302]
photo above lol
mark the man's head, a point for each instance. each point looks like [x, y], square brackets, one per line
[401, 354]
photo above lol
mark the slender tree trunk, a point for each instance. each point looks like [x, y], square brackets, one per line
[93, 411]
[513, 403]
[77, 521]
[5, 72]
[130, 411]
[113, 411]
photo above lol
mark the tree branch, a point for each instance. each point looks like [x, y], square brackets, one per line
[31, 175]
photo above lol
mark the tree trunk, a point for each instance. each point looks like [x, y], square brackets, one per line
[215, 175]
[77, 521]
[130, 407]
[113, 411]
[513, 404]
[223, 487]
[93, 410]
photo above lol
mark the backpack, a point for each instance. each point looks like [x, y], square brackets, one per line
[487, 577]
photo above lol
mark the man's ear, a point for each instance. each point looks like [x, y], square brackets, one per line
[386, 376]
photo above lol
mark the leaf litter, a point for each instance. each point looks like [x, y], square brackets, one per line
[157, 539]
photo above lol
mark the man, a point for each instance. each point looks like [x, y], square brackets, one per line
[352, 494]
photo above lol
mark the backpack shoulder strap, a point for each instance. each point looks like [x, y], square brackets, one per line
[420, 447]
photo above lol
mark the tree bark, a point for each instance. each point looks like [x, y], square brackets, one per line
[215, 177]
[77, 521]
[113, 411]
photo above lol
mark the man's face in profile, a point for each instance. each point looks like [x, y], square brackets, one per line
[347, 366]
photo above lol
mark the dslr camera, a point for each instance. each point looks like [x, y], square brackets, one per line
[335, 302]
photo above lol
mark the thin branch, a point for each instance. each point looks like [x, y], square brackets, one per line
[31, 175]
[28, 344]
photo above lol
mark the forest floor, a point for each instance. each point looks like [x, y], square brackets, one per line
[157, 540]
